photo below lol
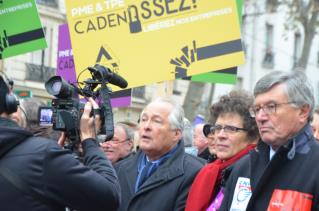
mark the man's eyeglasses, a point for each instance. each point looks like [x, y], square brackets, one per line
[268, 109]
[228, 129]
[116, 141]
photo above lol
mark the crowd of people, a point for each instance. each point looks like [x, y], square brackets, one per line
[256, 152]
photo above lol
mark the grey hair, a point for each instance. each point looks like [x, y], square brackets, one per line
[187, 133]
[31, 107]
[297, 87]
[176, 117]
[129, 132]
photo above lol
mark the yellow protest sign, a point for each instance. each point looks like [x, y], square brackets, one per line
[148, 41]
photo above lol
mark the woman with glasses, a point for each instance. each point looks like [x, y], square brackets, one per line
[235, 133]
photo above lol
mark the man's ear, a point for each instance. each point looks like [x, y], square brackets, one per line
[304, 113]
[178, 134]
[131, 144]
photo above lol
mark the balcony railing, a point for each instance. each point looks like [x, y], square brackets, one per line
[38, 73]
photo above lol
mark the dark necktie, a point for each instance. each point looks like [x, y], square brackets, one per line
[144, 173]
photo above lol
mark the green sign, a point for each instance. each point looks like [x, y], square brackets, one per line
[23, 93]
[239, 10]
[20, 28]
[225, 76]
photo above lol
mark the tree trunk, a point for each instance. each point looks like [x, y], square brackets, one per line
[309, 35]
[211, 94]
[193, 99]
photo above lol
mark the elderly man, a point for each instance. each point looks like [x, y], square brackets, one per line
[121, 146]
[159, 176]
[201, 142]
[282, 173]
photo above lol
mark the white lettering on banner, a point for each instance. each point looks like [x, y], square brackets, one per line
[15, 8]
[110, 4]
[99, 7]
[179, 21]
[64, 53]
[242, 194]
[85, 10]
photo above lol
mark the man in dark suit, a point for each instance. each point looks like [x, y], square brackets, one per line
[159, 176]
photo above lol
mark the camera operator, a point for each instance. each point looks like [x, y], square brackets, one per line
[37, 174]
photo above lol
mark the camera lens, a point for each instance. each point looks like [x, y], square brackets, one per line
[56, 87]
[59, 88]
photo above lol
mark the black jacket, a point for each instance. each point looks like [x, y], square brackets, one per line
[55, 174]
[205, 154]
[293, 168]
[166, 189]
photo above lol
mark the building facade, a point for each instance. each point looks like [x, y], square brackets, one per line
[270, 46]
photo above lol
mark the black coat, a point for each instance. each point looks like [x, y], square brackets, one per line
[292, 168]
[205, 154]
[166, 189]
[55, 174]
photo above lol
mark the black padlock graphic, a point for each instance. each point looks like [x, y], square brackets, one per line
[135, 26]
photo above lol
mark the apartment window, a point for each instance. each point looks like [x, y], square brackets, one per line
[41, 57]
[175, 88]
[49, 3]
[271, 5]
[268, 60]
[36, 57]
[297, 49]
[239, 83]
[139, 92]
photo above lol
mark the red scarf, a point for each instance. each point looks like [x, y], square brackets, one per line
[208, 179]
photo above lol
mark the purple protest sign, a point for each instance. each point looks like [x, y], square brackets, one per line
[121, 102]
[121, 98]
[66, 68]
[65, 65]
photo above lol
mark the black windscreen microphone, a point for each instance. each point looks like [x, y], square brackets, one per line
[99, 71]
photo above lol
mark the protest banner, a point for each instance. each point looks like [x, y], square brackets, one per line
[66, 68]
[225, 76]
[153, 41]
[20, 28]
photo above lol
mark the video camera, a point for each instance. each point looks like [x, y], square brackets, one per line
[67, 109]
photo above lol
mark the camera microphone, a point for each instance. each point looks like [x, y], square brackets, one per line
[118, 80]
[99, 71]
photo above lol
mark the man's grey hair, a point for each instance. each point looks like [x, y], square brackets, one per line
[129, 132]
[187, 133]
[297, 87]
[176, 117]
